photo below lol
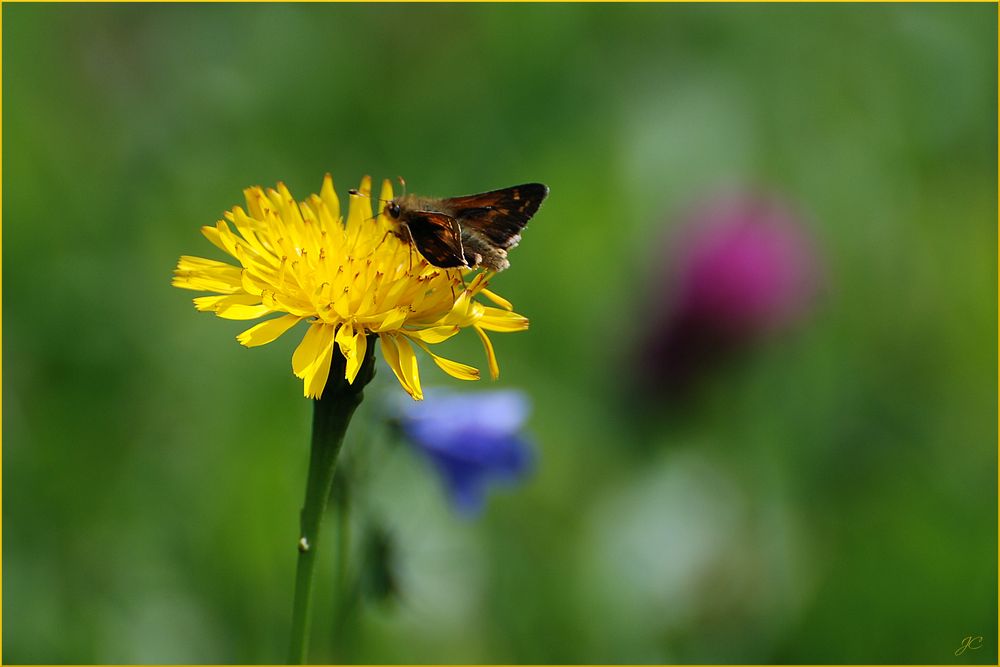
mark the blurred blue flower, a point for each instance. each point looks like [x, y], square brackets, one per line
[471, 439]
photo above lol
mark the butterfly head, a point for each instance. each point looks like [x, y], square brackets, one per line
[392, 209]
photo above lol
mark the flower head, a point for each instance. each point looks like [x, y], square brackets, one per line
[348, 279]
[471, 439]
[740, 269]
[745, 265]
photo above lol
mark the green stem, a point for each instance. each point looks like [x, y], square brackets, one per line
[331, 415]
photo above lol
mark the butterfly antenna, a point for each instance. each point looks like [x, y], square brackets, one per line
[403, 184]
[354, 192]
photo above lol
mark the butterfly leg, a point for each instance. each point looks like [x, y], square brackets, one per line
[408, 240]
[384, 237]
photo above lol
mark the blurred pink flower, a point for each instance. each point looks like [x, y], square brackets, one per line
[739, 269]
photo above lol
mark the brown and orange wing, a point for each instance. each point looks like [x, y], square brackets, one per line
[500, 215]
[437, 237]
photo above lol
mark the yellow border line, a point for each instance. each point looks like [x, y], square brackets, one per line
[612, 2]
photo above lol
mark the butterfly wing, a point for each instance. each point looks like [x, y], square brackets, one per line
[499, 215]
[437, 237]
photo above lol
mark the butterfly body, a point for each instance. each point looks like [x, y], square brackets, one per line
[470, 231]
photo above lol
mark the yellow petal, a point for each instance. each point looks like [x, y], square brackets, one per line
[347, 339]
[212, 234]
[290, 212]
[391, 355]
[319, 371]
[248, 228]
[265, 332]
[288, 303]
[341, 306]
[207, 304]
[494, 319]
[326, 220]
[391, 350]
[408, 365]
[394, 293]
[231, 243]
[360, 349]
[202, 284]
[384, 196]
[452, 368]
[359, 207]
[392, 321]
[248, 284]
[497, 299]
[433, 335]
[472, 311]
[207, 275]
[191, 263]
[478, 283]
[255, 197]
[213, 303]
[491, 356]
[329, 196]
[459, 314]
[239, 311]
[308, 349]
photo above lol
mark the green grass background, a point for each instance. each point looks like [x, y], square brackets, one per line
[831, 497]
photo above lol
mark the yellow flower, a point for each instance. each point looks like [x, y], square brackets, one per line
[347, 279]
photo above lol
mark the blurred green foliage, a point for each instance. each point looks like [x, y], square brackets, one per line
[830, 498]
